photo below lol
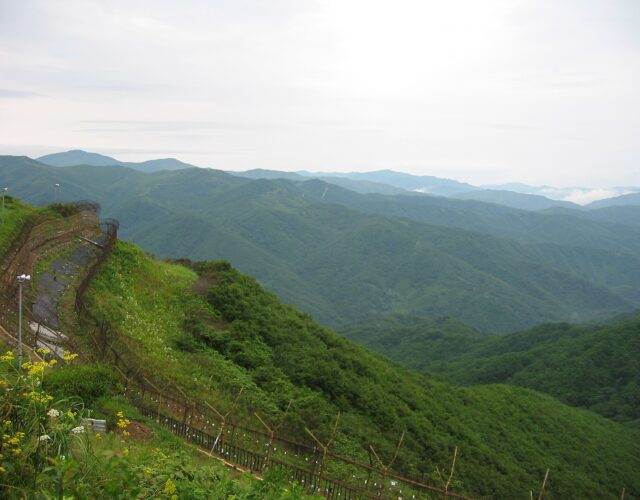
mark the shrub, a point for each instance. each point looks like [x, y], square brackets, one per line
[88, 383]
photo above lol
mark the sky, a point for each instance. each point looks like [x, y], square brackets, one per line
[487, 92]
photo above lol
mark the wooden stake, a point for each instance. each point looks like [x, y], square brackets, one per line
[324, 447]
[544, 483]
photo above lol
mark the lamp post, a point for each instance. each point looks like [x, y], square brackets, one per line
[20, 279]
[56, 188]
[4, 190]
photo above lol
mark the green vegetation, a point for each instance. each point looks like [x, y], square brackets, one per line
[345, 257]
[415, 342]
[15, 216]
[594, 367]
[88, 383]
[47, 451]
[234, 334]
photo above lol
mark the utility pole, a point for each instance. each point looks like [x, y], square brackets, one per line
[20, 279]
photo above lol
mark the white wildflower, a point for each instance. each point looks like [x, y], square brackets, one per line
[53, 413]
[44, 437]
[78, 430]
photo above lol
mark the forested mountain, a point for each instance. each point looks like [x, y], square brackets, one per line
[346, 263]
[594, 367]
[79, 157]
[233, 334]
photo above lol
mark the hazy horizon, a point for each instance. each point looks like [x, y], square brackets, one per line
[482, 92]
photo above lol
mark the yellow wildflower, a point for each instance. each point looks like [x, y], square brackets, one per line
[43, 350]
[2, 470]
[69, 357]
[169, 487]
[8, 356]
[70, 414]
[98, 436]
[125, 451]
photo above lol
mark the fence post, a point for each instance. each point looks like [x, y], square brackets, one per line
[272, 433]
[385, 468]
[325, 449]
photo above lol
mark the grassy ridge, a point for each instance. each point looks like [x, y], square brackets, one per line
[240, 335]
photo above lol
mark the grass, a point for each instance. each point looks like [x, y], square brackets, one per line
[16, 214]
[48, 452]
[150, 300]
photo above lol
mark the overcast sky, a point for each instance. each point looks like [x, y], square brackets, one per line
[537, 91]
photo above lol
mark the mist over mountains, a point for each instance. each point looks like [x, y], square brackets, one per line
[346, 256]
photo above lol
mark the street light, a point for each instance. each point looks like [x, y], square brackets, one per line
[56, 188]
[20, 279]
[4, 190]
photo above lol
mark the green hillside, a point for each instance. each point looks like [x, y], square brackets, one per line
[594, 367]
[343, 264]
[238, 335]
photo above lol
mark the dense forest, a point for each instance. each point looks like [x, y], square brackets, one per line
[594, 367]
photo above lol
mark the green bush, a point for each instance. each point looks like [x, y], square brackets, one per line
[89, 383]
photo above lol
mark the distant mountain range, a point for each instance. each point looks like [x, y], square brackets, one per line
[417, 183]
[344, 256]
[388, 182]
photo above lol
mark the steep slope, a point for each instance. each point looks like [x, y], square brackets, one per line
[243, 336]
[594, 367]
